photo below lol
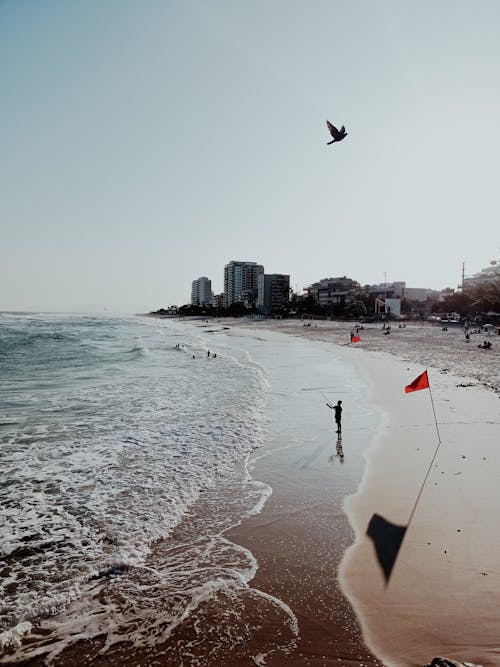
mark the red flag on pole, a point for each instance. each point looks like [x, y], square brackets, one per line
[422, 382]
[355, 339]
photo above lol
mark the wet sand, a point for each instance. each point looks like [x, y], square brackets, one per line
[444, 593]
[301, 534]
[299, 551]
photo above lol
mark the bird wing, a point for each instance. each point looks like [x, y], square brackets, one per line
[333, 130]
[342, 130]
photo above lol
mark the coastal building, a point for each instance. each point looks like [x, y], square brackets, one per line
[489, 275]
[394, 290]
[273, 293]
[420, 294]
[241, 283]
[201, 292]
[391, 297]
[333, 293]
[388, 307]
[396, 299]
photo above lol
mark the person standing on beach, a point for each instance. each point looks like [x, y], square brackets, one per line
[338, 414]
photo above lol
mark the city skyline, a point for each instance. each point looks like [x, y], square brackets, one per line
[145, 143]
[493, 268]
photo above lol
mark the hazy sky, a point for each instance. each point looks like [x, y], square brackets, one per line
[146, 143]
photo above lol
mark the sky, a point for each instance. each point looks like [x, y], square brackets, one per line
[146, 144]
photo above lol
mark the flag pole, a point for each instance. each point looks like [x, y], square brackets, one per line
[434, 413]
[431, 463]
[388, 537]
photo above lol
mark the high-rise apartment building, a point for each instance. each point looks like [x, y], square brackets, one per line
[241, 283]
[273, 293]
[201, 292]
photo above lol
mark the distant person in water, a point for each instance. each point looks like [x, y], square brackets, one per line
[338, 415]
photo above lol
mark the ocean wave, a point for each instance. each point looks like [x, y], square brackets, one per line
[110, 458]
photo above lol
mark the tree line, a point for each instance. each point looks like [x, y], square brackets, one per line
[473, 302]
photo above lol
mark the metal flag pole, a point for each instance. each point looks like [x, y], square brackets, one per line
[387, 536]
[431, 463]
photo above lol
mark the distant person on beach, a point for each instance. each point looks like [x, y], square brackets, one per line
[338, 414]
[208, 353]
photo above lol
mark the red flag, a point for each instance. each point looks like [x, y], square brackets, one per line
[355, 339]
[422, 382]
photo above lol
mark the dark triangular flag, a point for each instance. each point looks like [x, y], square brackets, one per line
[387, 539]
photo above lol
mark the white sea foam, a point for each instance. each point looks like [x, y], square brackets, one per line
[106, 452]
[11, 639]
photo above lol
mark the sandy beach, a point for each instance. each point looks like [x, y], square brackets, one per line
[298, 582]
[421, 343]
[444, 592]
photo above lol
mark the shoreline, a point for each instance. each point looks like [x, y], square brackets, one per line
[300, 536]
[309, 559]
[438, 558]
[235, 620]
[419, 343]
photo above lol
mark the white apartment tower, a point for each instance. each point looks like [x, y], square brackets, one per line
[241, 282]
[201, 292]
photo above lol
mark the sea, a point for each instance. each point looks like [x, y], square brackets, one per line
[126, 448]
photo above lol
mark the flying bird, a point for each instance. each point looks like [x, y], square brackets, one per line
[337, 135]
